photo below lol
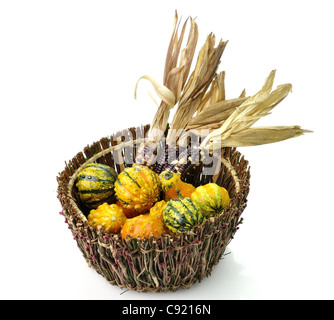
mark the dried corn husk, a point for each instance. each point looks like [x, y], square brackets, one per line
[262, 135]
[166, 95]
[235, 130]
[215, 94]
[215, 113]
[177, 68]
[202, 103]
[197, 85]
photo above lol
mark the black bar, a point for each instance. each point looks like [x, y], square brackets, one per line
[164, 309]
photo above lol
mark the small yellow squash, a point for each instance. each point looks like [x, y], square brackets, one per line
[211, 198]
[138, 188]
[111, 218]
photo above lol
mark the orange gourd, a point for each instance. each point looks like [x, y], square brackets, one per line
[129, 213]
[173, 187]
[146, 225]
[110, 218]
[143, 226]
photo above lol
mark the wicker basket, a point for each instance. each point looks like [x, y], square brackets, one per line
[169, 262]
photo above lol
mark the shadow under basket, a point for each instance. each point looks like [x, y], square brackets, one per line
[171, 261]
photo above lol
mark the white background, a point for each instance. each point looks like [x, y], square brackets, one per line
[67, 76]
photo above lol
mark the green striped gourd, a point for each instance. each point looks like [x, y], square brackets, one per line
[181, 215]
[95, 184]
[138, 188]
[211, 198]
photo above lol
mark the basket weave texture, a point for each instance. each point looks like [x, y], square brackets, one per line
[167, 263]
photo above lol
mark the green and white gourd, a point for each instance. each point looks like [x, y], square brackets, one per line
[95, 184]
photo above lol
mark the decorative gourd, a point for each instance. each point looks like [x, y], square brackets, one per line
[158, 209]
[138, 188]
[111, 218]
[129, 213]
[95, 184]
[143, 226]
[173, 187]
[211, 198]
[182, 214]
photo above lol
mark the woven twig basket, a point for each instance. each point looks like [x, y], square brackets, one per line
[169, 262]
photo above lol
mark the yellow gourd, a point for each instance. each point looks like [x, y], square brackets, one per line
[211, 198]
[157, 210]
[110, 218]
[138, 188]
